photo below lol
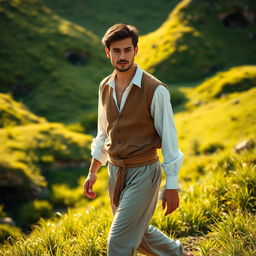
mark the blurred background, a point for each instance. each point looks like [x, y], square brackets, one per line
[51, 64]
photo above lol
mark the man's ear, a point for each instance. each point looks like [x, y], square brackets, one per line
[136, 50]
[107, 52]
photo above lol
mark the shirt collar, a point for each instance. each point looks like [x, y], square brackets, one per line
[136, 80]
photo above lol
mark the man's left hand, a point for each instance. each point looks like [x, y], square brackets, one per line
[170, 200]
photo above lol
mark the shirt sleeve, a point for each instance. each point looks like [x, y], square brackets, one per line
[97, 147]
[162, 113]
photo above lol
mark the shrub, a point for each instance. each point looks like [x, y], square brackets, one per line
[212, 148]
[31, 212]
[64, 196]
[9, 231]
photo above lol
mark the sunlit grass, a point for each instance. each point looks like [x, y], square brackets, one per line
[234, 235]
[193, 43]
[204, 206]
[26, 150]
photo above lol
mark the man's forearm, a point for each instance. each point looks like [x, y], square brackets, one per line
[95, 166]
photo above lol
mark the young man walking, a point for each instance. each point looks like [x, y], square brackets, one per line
[134, 119]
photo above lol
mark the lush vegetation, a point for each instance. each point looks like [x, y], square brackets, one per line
[53, 68]
[52, 64]
[95, 15]
[218, 191]
[198, 39]
[221, 204]
[14, 113]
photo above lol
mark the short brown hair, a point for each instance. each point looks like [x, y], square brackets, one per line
[118, 32]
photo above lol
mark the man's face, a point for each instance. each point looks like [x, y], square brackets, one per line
[121, 54]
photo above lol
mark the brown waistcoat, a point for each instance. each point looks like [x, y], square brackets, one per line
[131, 132]
[132, 139]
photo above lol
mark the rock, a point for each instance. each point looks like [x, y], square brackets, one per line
[244, 145]
[7, 220]
[236, 101]
[197, 103]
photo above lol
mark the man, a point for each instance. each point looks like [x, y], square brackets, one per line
[134, 119]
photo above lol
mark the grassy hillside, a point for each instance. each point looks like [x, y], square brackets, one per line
[34, 154]
[220, 205]
[234, 80]
[98, 15]
[217, 210]
[200, 38]
[54, 66]
[217, 124]
[29, 145]
[13, 113]
[26, 150]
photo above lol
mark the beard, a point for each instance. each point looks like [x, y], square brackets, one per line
[123, 69]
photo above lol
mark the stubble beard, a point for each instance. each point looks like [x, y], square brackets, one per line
[124, 69]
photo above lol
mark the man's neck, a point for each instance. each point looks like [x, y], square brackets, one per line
[125, 77]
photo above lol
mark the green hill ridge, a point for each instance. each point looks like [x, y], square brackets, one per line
[98, 15]
[54, 66]
[13, 113]
[199, 38]
[30, 144]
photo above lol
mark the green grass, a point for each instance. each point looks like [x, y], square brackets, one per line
[234, 235]
[13, 113]
[236, 79]
[218, 123]
[98, 15]
[193, 44]
[217, 185]
[204, 207]
[34, 68]
[29, 149]
[188, 47]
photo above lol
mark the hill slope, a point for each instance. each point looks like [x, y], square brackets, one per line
[13, 113]
[98, 15]
[217, 196]
[30, 145]
[52, 65]
[200, 38]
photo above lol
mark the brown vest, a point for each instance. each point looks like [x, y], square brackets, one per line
[132, 139]
[131, 132]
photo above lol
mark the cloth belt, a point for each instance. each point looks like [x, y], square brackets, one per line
[138, 161]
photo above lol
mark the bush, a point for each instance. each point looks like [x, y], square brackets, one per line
[64, 196]
[212, 148]
[89, 121]
[9, 231]
[177, 97]
[31, 212]
[2, 213]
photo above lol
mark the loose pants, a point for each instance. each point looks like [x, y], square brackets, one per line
[130, 229]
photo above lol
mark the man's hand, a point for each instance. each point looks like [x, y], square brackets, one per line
[89, 182]
[170, 200]
[91, 179]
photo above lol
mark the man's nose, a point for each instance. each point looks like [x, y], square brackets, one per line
[122, 55]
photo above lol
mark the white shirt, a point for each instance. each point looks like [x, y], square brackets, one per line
[162, 114]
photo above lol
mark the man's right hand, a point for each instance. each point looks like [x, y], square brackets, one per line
[88, 185]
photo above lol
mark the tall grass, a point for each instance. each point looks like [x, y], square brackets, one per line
[234, 235]
[207, 208]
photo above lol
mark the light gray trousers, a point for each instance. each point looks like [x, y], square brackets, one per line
[130, 229]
